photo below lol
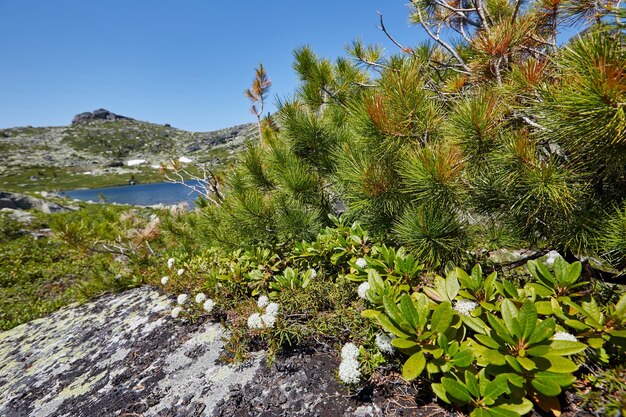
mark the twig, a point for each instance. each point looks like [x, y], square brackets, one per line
[391, 38]
[437, 39]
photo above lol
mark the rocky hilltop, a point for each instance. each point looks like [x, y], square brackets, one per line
[102, 143]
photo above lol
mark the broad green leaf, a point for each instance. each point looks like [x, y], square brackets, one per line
[592, 312]
[499, 330]
[596, 342]
[389, 327]
[572, 273]
[477, 275]
[440, 392]
[499, 411]
[546, 386]
[395, 314]
[414, 366]
[487, 341]
[540, 289]
[441, 317]
[456, 390]
[566, 347]
[527, 319]
[575, 324]
[509, 312]
[544, 308]
[510, 289]
[493, 357]
[527, 363]
[464, 279]
[513, 363]
[409, 312]
[620, 307]
[544, 274]
[520, 408]
[463, 358]
[543, 331]
[422, 305]
[495, 389]
[433, 294]
[472, 384]
[560, 269]
[403, 343]
[618, 333]
[563, 380]
[489, 286]
[475, 324]
[538, 350]
[514, 379]
[560, 365]
[452, 286]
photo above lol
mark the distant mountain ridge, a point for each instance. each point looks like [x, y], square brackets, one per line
[102, 142]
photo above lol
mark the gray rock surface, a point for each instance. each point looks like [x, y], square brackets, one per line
[16, 201]
[100, 114]
[121, 354]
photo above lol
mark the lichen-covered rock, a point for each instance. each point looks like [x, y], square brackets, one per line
[121, 354]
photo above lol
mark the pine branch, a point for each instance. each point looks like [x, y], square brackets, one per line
[438, 39]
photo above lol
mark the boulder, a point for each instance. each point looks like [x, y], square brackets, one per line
[100, 114]
[17, 201]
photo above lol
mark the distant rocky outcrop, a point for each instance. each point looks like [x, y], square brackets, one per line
[17, 201]
[100, 114]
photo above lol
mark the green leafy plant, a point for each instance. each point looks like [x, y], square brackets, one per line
[415, 326]
[488, 398]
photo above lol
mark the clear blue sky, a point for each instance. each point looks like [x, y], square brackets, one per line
[184, 62]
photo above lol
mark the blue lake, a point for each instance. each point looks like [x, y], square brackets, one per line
[140, 194]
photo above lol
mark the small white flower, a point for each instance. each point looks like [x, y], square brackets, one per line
[208, 305]
[361, 263]
[263, 301]
[255, 322]
[349, 371]
[465, 307]
[170, 263]
[180, 271]
[165, 280]
[268, 320]
[272, 309]
[200, 297]
[349, 351]
[564, 336]
[182, 299]
[384, 343]
[363, 288]
[312, 273]
[175, 312]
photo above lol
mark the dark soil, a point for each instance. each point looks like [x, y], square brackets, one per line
[304, 383]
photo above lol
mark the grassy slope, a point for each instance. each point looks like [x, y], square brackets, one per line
[65, 158]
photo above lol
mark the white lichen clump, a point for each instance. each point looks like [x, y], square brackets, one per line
[255, 322]
[267, 319]
[170, 263]
[564, 336]
[208, 305]
[200, 297]
[312, 273]
[180, 272]
[176, 311]
[383, 342]
[263, 301]
[165, 280]
[182, 299]
[349, 366]
[361, 263]
[363, 288]
[465, 307]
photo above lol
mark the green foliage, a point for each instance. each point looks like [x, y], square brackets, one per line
[435, 236]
